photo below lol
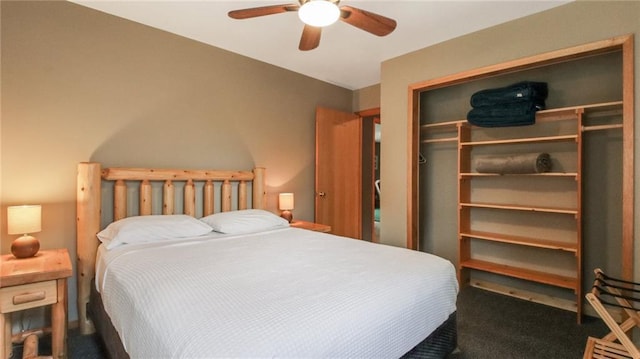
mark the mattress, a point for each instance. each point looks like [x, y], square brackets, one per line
[280, 293]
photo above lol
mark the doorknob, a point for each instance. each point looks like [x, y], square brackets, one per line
[321, 194]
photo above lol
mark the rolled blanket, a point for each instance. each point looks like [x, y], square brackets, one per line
[517, 164]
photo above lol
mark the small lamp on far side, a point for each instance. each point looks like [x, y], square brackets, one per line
[285, 201]
[24, 220]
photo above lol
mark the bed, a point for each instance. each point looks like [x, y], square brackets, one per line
[223, 277]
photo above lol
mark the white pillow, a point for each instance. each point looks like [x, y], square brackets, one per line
[244, 221]
[144, 229]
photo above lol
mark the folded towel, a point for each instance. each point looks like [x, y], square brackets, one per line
[517, 164]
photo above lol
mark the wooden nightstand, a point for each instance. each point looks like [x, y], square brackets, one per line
[35, 282]
[311, 226]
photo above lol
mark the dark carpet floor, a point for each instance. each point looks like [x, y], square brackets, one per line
[490, 326]
[497, 326]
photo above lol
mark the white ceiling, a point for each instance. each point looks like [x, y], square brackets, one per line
[347, 56]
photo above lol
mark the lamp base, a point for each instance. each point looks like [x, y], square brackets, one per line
[25, 247]
[287, 215]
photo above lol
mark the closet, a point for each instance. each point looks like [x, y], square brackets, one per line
[531, 235]
[538, 214]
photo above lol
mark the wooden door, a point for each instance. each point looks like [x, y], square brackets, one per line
[339, 172]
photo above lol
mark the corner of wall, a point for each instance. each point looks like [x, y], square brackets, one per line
[366, 98]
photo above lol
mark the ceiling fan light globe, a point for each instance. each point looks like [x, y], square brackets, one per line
[319, 13]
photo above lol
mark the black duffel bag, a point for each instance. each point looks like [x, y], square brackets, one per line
[516, 114]
[521, 92]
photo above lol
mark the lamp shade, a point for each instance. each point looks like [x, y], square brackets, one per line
[285, 201]
[319, 13]
[24, 219]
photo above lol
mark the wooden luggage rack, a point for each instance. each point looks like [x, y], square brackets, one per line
[617, 293]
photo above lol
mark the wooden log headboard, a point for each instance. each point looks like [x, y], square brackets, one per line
[89, 206]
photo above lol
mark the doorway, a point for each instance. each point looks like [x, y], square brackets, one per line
[371, 183]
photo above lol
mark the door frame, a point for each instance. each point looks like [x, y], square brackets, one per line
[373, 113]
[621, 43]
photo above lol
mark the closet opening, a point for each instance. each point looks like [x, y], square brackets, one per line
[603, 67]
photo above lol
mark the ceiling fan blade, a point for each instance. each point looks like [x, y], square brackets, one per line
[310, 38]
[367, 21]
[262, 11]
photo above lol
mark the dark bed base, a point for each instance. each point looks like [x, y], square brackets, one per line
[438, 345]
[104, 327]
[442, 342]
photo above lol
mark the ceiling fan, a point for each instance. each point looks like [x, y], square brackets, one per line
[316, 14]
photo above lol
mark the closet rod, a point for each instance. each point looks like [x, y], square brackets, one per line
[600, 127]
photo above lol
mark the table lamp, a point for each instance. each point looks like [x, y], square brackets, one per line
[285, 201]
[24, 220]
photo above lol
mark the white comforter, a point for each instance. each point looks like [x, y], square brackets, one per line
[282, 293]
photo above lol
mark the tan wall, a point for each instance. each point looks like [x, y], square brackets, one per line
[366, 98]
[569, 25]
[80, 85]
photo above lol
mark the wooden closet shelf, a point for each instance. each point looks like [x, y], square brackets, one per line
[563, 114]
[522, 140]
[594, 107]
[520, 208]
[519, 240]
[545, 174]
[436, 140]
[555, 114]
[522, 273]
